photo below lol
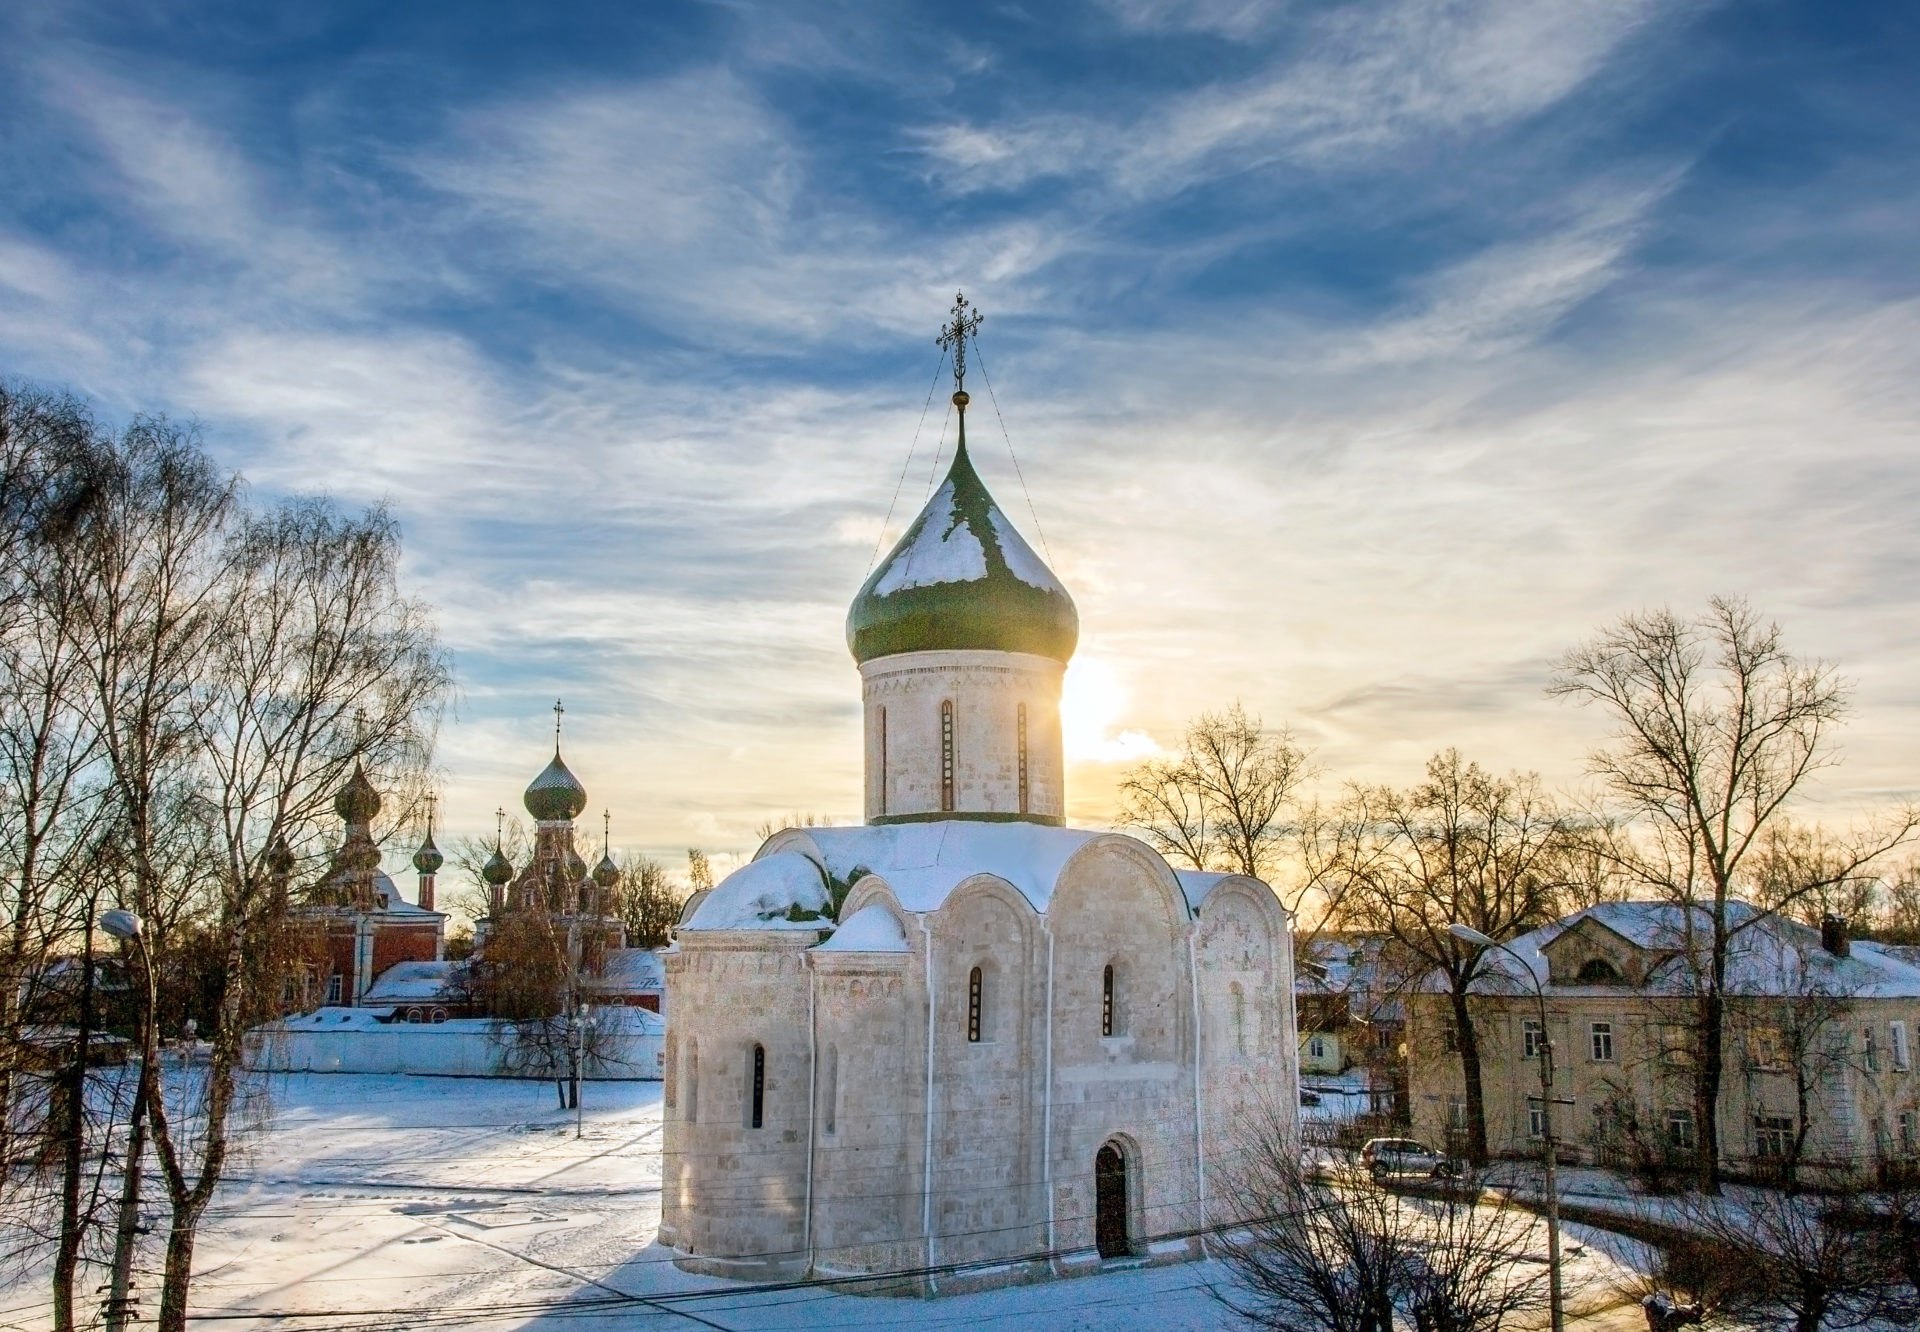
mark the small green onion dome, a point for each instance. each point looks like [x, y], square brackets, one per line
[576, 867]
[428, 859]
[606, 873]
[556, 794]
[962, 578]
[357, 801]
[498, 869]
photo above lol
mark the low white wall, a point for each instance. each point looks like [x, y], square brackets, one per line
[465, 1047]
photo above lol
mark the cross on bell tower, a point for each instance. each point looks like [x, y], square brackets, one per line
[965, 323]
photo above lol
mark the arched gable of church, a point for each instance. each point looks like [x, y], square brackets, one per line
[1119, 924]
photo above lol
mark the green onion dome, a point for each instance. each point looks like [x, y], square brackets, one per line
[357, 801]
[606, 873]
[498, 869]
[576, 867]
[962, 578]
[428, 859]
[556, 794]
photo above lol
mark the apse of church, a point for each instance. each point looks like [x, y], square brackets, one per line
[962, 1041]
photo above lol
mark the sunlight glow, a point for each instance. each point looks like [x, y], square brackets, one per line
[1091, 702]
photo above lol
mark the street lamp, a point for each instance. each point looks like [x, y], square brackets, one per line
[1468, 935]
[581, 1025]
[130, 930]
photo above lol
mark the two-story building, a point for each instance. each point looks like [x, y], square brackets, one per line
[1818, 1045]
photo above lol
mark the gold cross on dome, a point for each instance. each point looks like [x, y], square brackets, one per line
[558, 712]
[953, 336]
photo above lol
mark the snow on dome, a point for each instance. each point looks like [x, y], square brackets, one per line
[764, 894]
[962, 579]
[871, 930]
[939, 552]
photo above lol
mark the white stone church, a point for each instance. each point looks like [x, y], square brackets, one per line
[964, 1042]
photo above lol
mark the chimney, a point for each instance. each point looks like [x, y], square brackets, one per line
[1833, 935]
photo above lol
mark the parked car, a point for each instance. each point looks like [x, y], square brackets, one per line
[1308, 1096]
[1388, 1157]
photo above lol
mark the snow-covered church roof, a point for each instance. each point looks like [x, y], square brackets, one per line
[786, 886]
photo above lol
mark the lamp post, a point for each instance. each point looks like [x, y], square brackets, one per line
[129, 929]
[581, 1024]
[1556, 1310]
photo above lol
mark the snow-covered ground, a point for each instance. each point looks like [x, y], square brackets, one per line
[406, 1202]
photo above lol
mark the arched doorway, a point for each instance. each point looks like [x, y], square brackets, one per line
[1110, 1202]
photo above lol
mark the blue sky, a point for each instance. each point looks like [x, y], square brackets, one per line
[1359, 358]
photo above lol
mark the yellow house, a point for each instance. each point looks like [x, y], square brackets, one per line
[1819, 1060]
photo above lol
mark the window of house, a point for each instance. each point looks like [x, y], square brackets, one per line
[1317, 1047]
[1905, 1125]
[1020, 725]
[830, 1090]
[1533, 1036]
[1536, 1120]
[415, 1015]
[333, 989]
[946, 754]
[1676, 1046]
[1869, 1051]
[757, 1086]
[439, 1015]
[1680, 1130]
[1238, 998]
[1457, 1113]
[1897, 1038]
[975, 984]
[1599, 971]
[1601, 1034]
[1450, 1036]
[1772, 1136]
[1766, 1048]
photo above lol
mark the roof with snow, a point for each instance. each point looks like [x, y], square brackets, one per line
[632, 970]
[871, 929]
[393, 903]
[405, 982]
[778, 892]
[1768, 955]
[962, 578]
[785, 886]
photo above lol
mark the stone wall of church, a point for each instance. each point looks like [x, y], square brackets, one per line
[990, 1191]
[870, 1020]
[906, 735]
[1249, 1055]
[733, 1194]
[1117, 905]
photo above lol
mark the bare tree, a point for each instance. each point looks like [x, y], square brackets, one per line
[1802, 1264]
[1463, 846]
[467, 857]
[648, 902]
[1229, 802]
[1335, 1252]
[1717, 728]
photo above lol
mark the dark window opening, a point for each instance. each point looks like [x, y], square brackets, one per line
[1106, 1002]
[974, 986]
[759, 1087]
[1599, 971]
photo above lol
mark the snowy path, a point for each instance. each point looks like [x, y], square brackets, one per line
[374, 1201]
